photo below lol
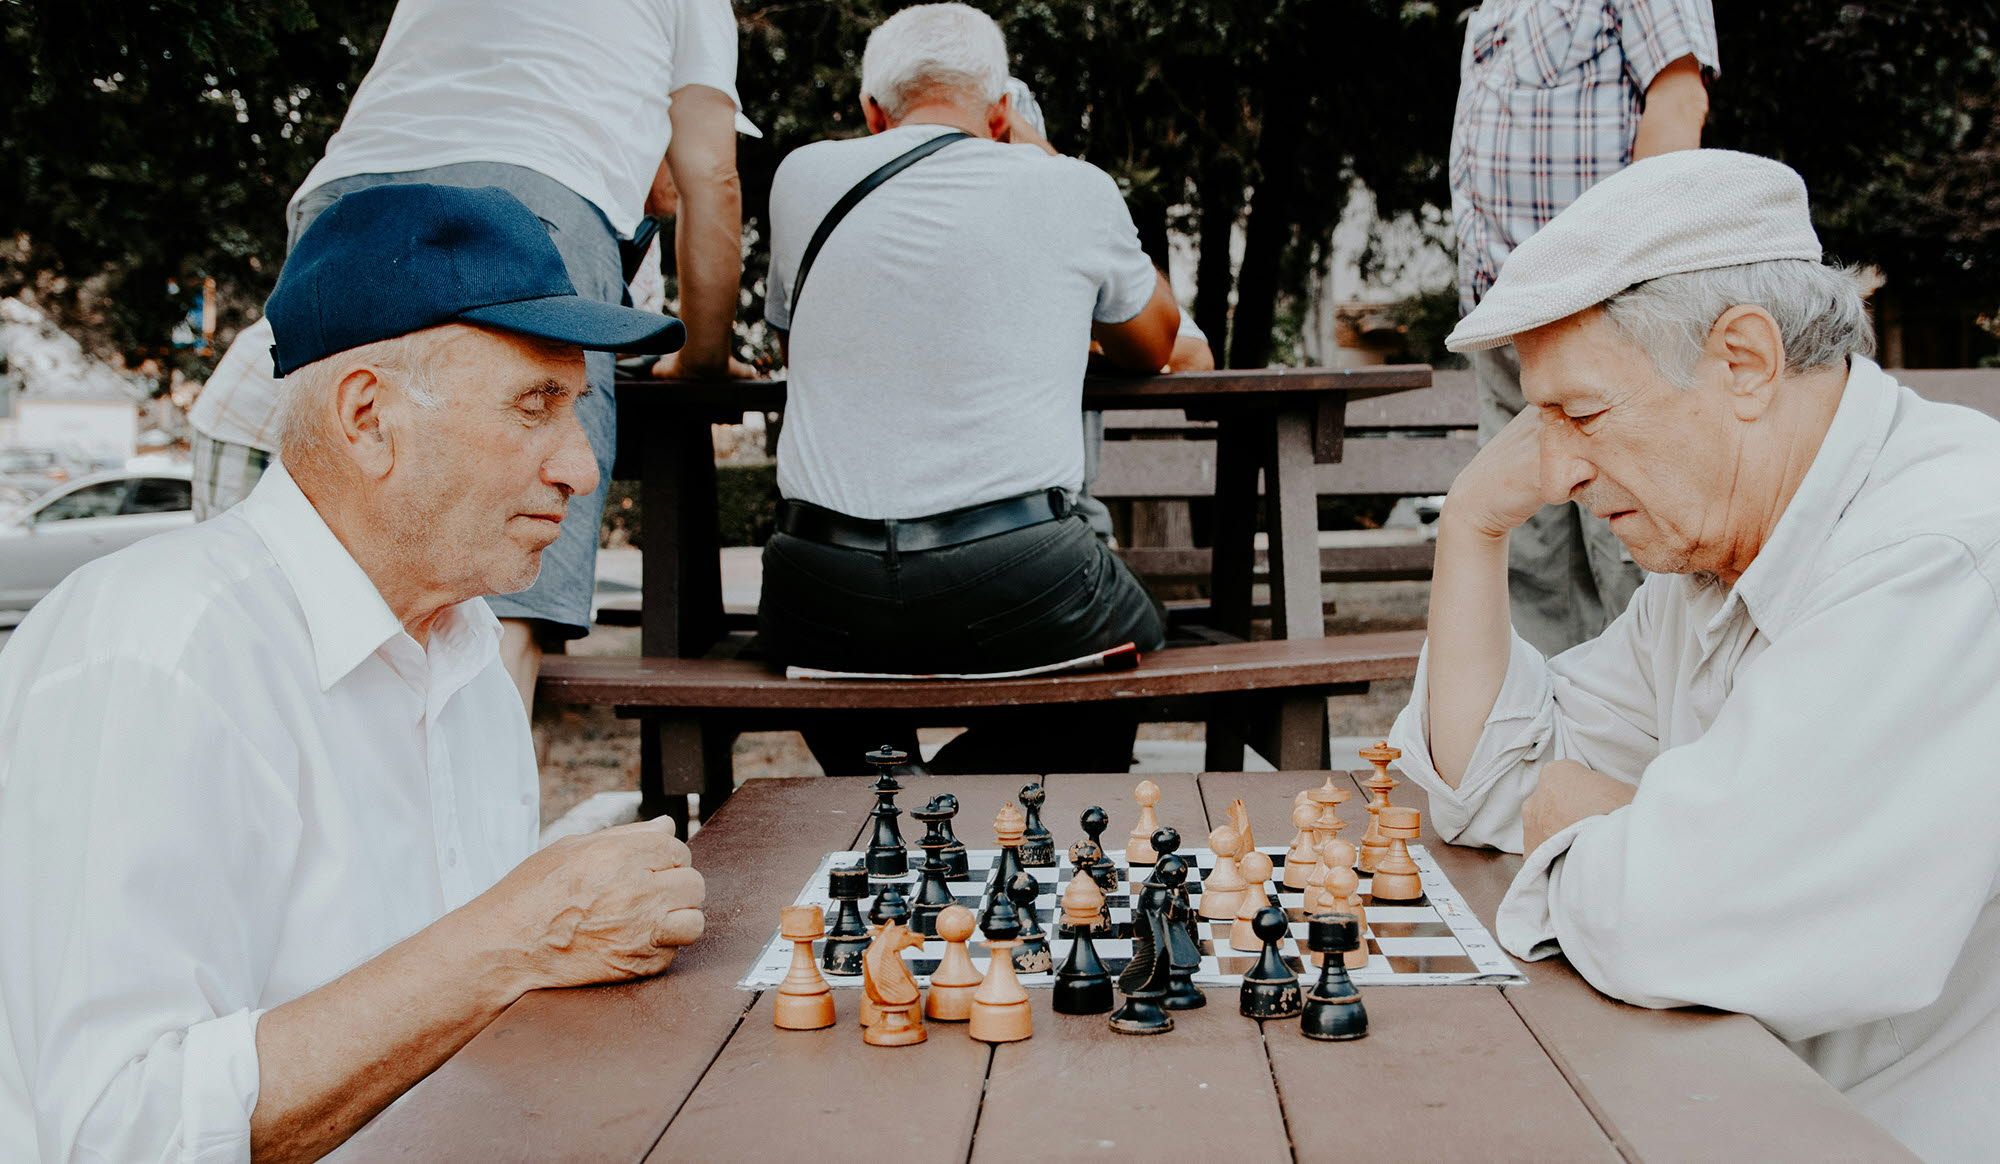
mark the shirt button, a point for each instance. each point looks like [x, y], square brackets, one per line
[451, 858]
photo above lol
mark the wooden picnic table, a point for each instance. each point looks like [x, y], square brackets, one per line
[688, 1067]
[1282, 421]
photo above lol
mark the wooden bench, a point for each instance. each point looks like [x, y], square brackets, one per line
[1272, 694]
[1411, 444]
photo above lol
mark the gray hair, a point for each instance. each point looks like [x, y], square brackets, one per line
[929, 48]
[1820, 310]
[306, 439]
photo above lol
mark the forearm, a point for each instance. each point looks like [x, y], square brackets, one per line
[708, 257]
[1676, 108]
[330, 1060]
[1470, 634]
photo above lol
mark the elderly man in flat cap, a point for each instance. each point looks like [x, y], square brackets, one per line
[1769, 786]
[268, 807]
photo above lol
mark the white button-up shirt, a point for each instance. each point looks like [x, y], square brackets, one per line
[227, 776]
[1815, 840]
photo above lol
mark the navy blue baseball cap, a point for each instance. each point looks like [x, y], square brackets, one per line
[385, 261]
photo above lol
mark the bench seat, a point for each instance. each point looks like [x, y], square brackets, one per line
[1270, 695]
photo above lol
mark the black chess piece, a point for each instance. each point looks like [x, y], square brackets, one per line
[1105, 872]
[1038, 845]
[1333, 1010]
[956, 868]
[1005, 866]
[886, 855]
[1032, 956]
[847, 939]
[891, 905]
[933, 892]
[1270, 989]
[1083, 985]
[1000, 915]
[1183, 949]
[1145, 978]
[1166, 841]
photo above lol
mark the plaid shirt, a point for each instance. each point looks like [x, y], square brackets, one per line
[241, 403]
[1548, 103]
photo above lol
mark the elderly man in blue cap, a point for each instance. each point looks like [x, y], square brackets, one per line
[268, 807]
[1768, 786]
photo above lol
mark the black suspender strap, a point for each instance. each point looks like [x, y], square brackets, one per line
[862, 189]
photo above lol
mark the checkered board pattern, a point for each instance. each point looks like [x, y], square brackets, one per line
[1435, 941]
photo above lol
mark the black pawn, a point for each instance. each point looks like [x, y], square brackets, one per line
[1270, 989]
[890, 904]
[956, 868]
[1183, 951]
[1167, 842]
[847, 939]
[1333, 1010]
[886, 855]
[1000, 920]
[1145, 977]
[1032, 956]
[1105, 872]
[933, 893]
[1038, 845]
[1083, 985]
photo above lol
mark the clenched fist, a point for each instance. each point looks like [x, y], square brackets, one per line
[604, 907]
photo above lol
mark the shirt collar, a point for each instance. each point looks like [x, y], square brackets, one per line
[1846, 456]
[346, 616]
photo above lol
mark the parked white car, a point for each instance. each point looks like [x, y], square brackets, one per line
[86, 519]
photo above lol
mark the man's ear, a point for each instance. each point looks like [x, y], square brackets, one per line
[873, 114]
[359, 398]
[999, 118]
[1746, 342]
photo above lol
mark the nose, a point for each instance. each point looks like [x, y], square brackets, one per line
[1565, 470]
[572, 467]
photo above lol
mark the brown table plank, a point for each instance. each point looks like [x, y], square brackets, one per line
[1666, 1084]
[1201, 1091]
[594, 1074]
[848, 1099]
[1447, 1072]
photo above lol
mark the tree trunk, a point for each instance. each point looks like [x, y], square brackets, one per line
[1269, 227]
[1221, 201]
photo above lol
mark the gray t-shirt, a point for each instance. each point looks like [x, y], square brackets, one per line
[939, 360]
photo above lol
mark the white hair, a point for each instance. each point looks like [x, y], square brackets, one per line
[931, 49]
[305, 437]
[1820, 311]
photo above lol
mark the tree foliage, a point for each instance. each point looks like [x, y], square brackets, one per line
[156, 142]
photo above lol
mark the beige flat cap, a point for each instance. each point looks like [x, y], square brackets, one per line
[1691, 210]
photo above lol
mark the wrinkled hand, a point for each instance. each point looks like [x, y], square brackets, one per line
[669, 368]
[1566, 793]
[604, 907]
[1502, 487]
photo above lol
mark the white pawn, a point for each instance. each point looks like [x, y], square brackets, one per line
[1139, 844]
[1301, 856]
[1256, 869]
[1222, 890]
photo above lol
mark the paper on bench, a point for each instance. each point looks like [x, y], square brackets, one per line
[1118, 658]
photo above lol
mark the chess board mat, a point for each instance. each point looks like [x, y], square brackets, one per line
[1436, 941]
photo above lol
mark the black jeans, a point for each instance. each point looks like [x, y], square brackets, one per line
[1021, 599]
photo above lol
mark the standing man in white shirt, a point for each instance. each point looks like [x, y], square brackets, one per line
[268, 807]
[933, 442]
[1769, 785]
[570, 108]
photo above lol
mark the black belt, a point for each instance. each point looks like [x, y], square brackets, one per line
[814, 523]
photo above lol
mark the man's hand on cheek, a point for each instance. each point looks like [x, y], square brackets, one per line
[1502, 486]
[1567, 793]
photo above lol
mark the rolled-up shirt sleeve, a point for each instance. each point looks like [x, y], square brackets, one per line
[143, 871]
[1656, 33]
[1592, 704]
[1819, 856]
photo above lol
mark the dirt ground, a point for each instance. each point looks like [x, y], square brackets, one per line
[589, 750]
